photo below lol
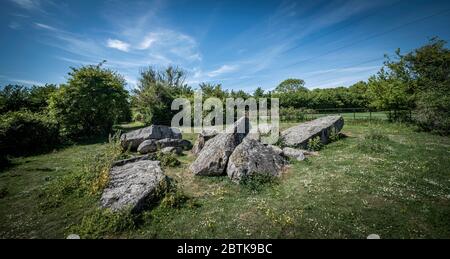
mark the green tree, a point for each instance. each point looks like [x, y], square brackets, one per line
[91, 102]
[358, 95]
[213, 90]
[258, 93]
[14, 98]
[291, 85]
[39, 97]
[156, 89]
[427, 69]
[416, 81]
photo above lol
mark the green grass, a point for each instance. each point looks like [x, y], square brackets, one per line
[382, 178]
[375, 116]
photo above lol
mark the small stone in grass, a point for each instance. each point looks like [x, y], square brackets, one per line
[73, 236]
[373, 236]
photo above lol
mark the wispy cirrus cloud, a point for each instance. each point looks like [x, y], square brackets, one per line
[170, 43]
[28, 4]
[20, 81]
[118, 44]
[35, 6]
[45, 26]
[222, 70]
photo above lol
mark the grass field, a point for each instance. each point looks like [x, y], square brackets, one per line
[382, 178]
[376, 116]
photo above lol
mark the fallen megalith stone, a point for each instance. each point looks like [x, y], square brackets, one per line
[213, 158]
[134, 138]
[252, 158]
[293, 153]
[134, 185]
[298, 136]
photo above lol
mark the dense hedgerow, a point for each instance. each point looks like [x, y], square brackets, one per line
[24, 133]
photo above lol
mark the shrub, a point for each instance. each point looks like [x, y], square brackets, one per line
[334, 135]
[374, 142]
[3, 192]
[24, 133]
[315, 144]
[167, 159]
[103, 222]
[258, 182]
[91, 102]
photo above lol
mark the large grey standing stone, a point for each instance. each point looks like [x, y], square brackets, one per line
[298, 136]
[134, 138]
[203, 137]
[293, 153]
[148, 146]
[213, 158]
[252, 158]
[134, 185]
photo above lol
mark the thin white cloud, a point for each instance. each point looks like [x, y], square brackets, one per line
[27, 4]
[342, 70]
[45, 26]
[147, 42]
[118, 44]
[170, 44]
[222, 70]
[24, 81]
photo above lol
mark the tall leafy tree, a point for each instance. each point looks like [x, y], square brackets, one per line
[91, 102]
[291, 85]
[156, 89]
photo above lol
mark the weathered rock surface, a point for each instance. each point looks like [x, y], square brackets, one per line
[134, 138]
[134, 185]
[293, 153]
[169, 142]
[148, 146]
[213, 158]
[252, 158]
[298, 136]
[204, 136]
[276, 149]
[174, 150]
[131, 160]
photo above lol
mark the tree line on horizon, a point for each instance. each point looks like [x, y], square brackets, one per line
[94, 98]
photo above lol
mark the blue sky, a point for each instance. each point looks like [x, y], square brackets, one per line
[241, 44]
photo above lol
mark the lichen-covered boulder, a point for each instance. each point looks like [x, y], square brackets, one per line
[134, 138]
[202, 138]
[135, 185]
[148, 146]
[298, 136]
[213, 158]
[252, 158]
